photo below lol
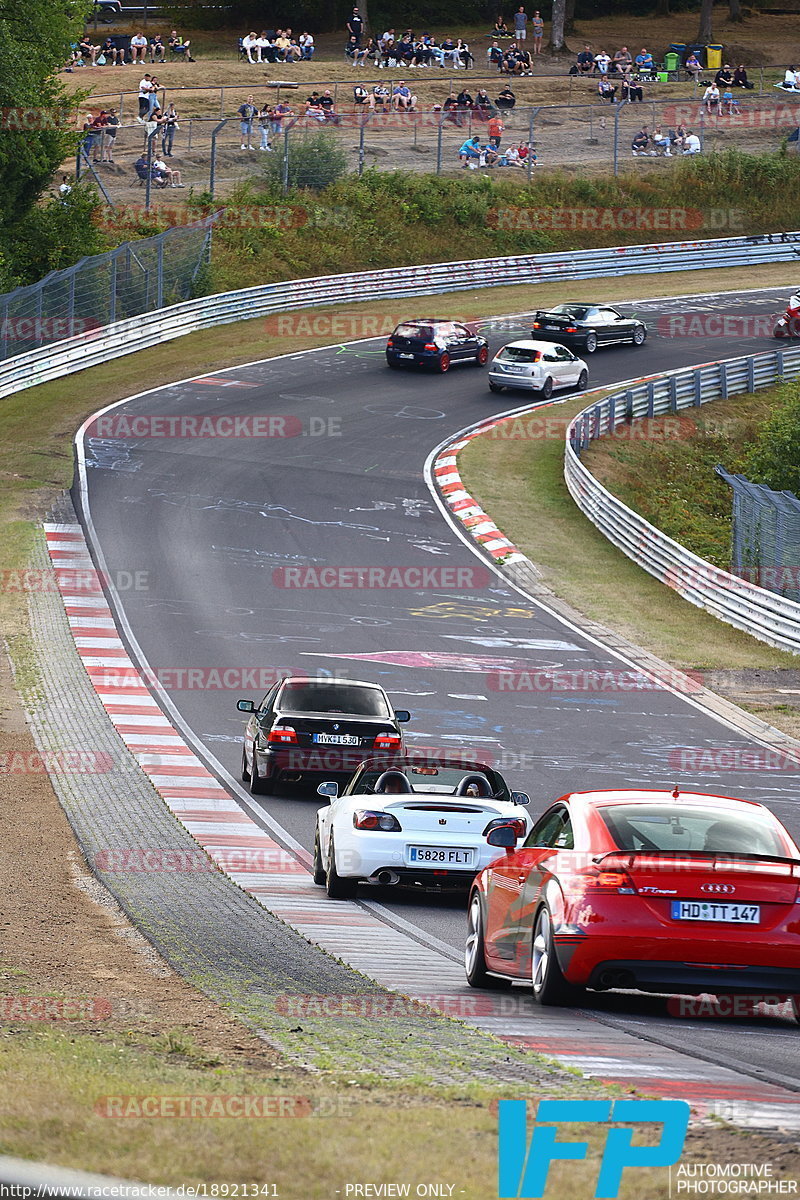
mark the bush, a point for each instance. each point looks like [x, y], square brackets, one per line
[774, 460]
[315, 161]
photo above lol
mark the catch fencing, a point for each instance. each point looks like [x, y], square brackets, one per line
[765, 541]
[769, 616]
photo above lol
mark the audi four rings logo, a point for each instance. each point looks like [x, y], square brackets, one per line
[718, 889]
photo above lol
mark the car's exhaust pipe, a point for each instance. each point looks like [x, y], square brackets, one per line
[616, 977]
[288, 778]
[387, 878]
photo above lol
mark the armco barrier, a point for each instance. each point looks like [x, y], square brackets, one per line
[126, 337]
[765, 615]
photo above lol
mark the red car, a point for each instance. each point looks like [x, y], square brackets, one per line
[676, 892]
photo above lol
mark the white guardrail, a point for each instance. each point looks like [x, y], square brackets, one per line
[150, 329]
[762, 613]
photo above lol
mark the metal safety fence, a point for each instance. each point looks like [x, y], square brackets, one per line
[135, 278]
[765, 614]
[765, 536]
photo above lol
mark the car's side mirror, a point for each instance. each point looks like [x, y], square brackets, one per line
[330, 788]
[502, 835]
[520, 797]
[402, 715]
[246, 706]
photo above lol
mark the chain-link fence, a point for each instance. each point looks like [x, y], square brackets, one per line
[765, 540]
[213, 153]
[135, 278]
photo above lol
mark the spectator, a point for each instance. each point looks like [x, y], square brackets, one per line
[168, 126]
[250, 43]
[266, 44]
[520, 24]
[282, 44]
[730, 107]
[694, 66]
[157, 49]
[465, 54]
[679, 138]
[110, 138]
[495, 130]
[602, 62]
[692, 143]
[724, 77]
[585, 60]
[641, 142]
[470, 152]
[450, 51]
[402, 100]
[500, 30]
[740, 78]
[353, 50]
[90, 51]
[113, 54]
[152, 98]
[159, 178]
[179, 47]
[711, 98]
[361, 96]
[422, 52]
[293, 52]
[382, 97]
[661, 142]
[99, 126]
[606, 89]
[306, 44]
[314, 109]
[355, 26]
[644, 61]
[511, 157]
[631, 91]
[506, 99]
[451, 110]
[265, 125]
[622, 61]
[327, 106]
[171, 174]
[65, 187]
[537, 26]
[279, 114]
[145, 88]
[90, 135]
[495, 55]
[482, 105]
[247, 114]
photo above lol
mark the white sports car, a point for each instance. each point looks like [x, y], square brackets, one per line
[415, 821]
[537, 366]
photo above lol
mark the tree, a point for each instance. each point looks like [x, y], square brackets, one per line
[557, 28]
[735, 11]
[774, 459]
[37, 132]
[705, 32]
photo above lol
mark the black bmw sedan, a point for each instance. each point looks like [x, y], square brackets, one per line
[587, 326]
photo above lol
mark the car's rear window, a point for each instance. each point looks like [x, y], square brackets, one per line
[663, 827]
[443, 780]
[520, 354]
[333, 698]
[572, 310]
[410, 330]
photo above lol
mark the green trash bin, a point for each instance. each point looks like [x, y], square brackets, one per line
[672, 61]
[662, 76]
[714, 57]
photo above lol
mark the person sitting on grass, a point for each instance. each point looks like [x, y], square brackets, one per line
[661, 142]
[622, 62]
[506, 99]
[585, 60]
[641, 142]
[691, 143]
[602, 62]
[451, 111]
[314, 109]
[740, 79]
[789, 79]
[724, 77]
[511, 158]
[470, 152]
[500, 30]
[89, 50]
[631, 91]
[482, 106]
[606, 89]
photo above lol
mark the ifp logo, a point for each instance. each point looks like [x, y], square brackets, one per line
[523, 1168]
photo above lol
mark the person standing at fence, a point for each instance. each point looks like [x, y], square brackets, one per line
[152, 98]
[145, 88]
[110, 138]
[265, 125]
[168, 127]
[520, 24]
[495, 129]
[280, 112]
[247, 114]
[537, 26]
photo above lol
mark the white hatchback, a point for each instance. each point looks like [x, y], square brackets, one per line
[538, 367]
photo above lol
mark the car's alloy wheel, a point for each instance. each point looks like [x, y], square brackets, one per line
[319, 866]
[549, 984]
[495, 387]
[245, 771]
[639, 334]
[591, 343]
[474, 960]
[482, 356]
[338, 888]
[444, 363]
[546, 389]
[583, 380]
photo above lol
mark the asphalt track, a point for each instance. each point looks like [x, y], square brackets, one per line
[210, 519]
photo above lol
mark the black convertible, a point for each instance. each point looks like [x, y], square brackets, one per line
[587, 326]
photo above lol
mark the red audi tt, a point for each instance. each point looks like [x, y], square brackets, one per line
[676, 892]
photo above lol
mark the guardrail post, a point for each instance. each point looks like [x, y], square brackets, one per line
[673, 393]
[751, 374]
[651, 398]
[723, 381]
[628, 406]
[697, 380]
[779, 363]
[213, 169]
[611, 404]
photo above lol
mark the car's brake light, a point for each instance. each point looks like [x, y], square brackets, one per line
[389, 344]
[387, 741]
[282, 734]
[365, 818]
[430, 346]
[571, 329]
[537, 325]
[593, 879]
[515, 823]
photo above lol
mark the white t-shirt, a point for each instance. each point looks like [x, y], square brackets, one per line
[305, 39]
[692, 143]
[138, 39]
[603, 62]
[145, 87]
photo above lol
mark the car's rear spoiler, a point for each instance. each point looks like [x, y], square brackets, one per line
[715, 855]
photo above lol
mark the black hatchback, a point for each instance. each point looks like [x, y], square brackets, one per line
[324, 727]
[436, 344]
[587, 326]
